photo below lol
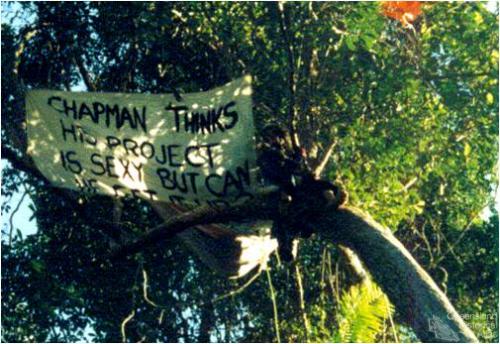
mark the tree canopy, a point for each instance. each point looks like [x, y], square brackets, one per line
[408, 109]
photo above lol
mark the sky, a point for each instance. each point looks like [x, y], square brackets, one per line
[21, 219]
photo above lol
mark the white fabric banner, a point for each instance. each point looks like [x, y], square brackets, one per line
[198, 150]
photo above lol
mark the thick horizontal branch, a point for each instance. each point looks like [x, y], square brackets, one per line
[23, 163]
[261, 207]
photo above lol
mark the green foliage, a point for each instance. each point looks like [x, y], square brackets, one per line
[467, 278]
[363, 310]
[414, 115]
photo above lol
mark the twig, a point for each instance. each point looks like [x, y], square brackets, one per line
[124, 324]
[302, 305]
[145, 286]
[321, 166]
[240, 289]
[132, 313]
[11, 219]
[87, 80]
[391, 321]
[145, 294]
[323, 269]
[428, 246]
[410, 184]
[459, 239]
[275, 306]
[331, 276]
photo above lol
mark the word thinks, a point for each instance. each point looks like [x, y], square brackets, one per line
[221, 118]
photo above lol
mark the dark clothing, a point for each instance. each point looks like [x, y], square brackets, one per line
[301, 199]
[278, 166]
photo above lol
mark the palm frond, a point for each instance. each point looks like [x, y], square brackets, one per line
[363, 310]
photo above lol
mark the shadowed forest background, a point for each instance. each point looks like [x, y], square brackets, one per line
[409, 109]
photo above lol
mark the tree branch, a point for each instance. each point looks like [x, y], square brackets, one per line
[23, 163]
[456, 75]
[292, 114]
[77, 59]
[321, 166]
[354, 264]
[11, 219]
[260, 208]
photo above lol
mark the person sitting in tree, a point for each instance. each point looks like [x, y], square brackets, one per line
[302, 197]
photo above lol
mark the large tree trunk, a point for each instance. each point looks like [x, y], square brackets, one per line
[413, 292]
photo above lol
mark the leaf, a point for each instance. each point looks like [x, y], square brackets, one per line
[368, 40]
[467, 150]
[419, 207]
[350, 43]
[37, 265]
[478, 18]
[490, 99]
[363, 310]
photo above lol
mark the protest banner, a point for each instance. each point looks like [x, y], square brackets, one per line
[198, 150]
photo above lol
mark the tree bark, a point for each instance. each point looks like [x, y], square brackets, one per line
[413, 292]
